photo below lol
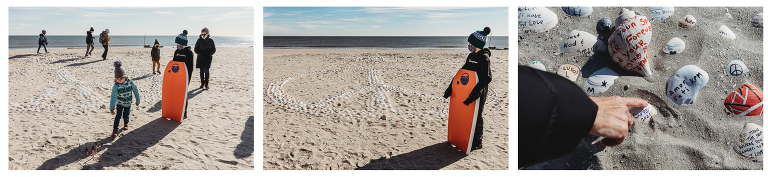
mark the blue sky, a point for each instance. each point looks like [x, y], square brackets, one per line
[222, 21]
[384, 21]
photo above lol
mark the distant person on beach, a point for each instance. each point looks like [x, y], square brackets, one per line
[479, 61]
[104, 40]
[204, 48]
[89, 42]
[184, 54]
[555, 114]
[156, 58]
[122, 95]
[42, 41]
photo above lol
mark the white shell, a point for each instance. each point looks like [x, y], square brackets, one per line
[535, 19]
[684, 86]
[628, 45]
[578, 11]
[757, 21]
[674, 46]
[727, 33]
[750, 142]
[662, 13]
[644, 114]
[623, 15]
[737, 67]
[537, 65]
[570, 72]
[581, 42]
[600, 80]
[686, 22]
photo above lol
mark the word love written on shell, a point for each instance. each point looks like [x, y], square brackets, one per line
[523, 12]
[680, 90]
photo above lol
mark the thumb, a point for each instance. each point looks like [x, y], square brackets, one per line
[635, 102]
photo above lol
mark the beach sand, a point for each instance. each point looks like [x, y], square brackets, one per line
[55, 102]
[697, 136]
[354, 88]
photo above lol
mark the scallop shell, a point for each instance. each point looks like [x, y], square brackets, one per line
[535, 19]
[757, 21]
[537, 65]
[674, 46]
[578, 11]
[750, 142]
[644, 114]
[624, 15]
[570, 72]
[662, 13]
[726, 32]
[685, 85]
[581, 42]
[628, 45]
[737, 67]
[686, 22]
[600, 81]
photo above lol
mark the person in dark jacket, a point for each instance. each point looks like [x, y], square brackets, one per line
[184, 54]
[555, 114]
[104, 40]
[156, 58]
[204, 48]
[89, 42]
[478, 61]
[42, 41]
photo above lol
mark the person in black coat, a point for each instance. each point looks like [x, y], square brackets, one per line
[184, 54]
[204, 48]
[555, 114]
[42, 41]
[89, 42]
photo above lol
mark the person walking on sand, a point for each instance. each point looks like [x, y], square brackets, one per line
[42, 41]
[89, 42]
[204, 48]
[156, 58]
[122, 95]
[184, 54]
[479, 61]
[104, 40]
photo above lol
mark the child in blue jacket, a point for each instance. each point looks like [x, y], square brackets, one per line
[122, 96]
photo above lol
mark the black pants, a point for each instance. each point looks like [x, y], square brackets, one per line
[88, 48]
[106, 48]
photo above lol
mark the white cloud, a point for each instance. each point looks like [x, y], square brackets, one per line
[164, 13]
[268, 14]
[375, 26]
[309, 26]
[277, 30]
[225, 16]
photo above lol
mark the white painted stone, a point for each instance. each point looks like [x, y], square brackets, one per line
[537, 65]
[685, 85]
[737, 67]
[749, 144]
[726, 32]
[662, 13]
[535, 19]
[578, 11]
[570, 72]
[674, 46]
[600, 81]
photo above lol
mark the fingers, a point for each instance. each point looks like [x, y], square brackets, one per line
[610, 142]
[635, 102]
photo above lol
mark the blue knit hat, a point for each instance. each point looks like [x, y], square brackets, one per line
[477, 39]
[181, 39]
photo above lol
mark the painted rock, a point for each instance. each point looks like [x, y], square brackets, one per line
[570, 72]
[685, 85]
[737, 68]
[603, 27]
[537, 65]
[644, 114]
[600, 81]
[745, 101]
[624, 15]
[578, 11]
[757, 21]
[628, 45]
[749, 144]
[581, 42]
[674, 46]
[662, 13]
[535, 19]
[686, 22]
[726, 32]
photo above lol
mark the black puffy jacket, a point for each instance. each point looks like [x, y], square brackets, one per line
[204, 48]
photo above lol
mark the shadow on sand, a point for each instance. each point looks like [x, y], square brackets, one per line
[245, 148]
[20, 56]
[432, 157]
[85, 63]
[582, 158]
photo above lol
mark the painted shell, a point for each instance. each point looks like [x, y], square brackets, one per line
[600, 81]
[747, 100]
[757, 21]
[749, 144]
[628, 45]
[686, 22]
[570, 72]
[662, 13]
[537, 65]
[685, 85]
[624, 15]
[644, 114]
[737, 68]
[674, 46]
[581, 42]
[726, 32]
[535, 19]
[579, 11]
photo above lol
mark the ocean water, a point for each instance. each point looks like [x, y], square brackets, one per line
[120, 41]
[418, 42]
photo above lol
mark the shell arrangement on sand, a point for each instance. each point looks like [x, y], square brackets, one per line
[644, 114]
[581, 42]
[535, 19]
[750, 142]
[537, 65]
[737, 68]
[686, 22]
[757, 20]
[600, 81]
[726, 32]
[745, 101]
[628, 45]
[685, 85]
[674, 46]
[570, 72]
[662, 13]
[579, 11]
